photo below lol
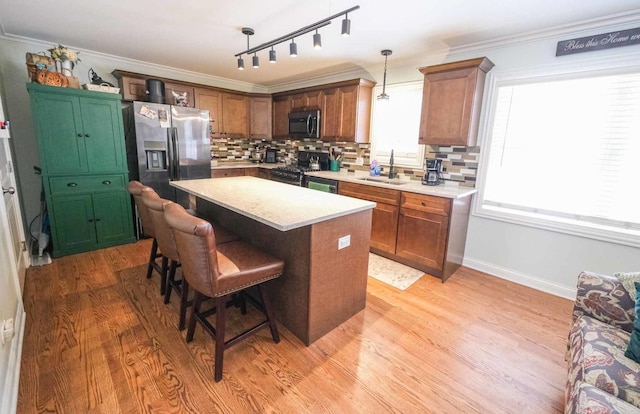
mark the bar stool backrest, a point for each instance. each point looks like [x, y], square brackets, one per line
[196, 245]
[155, 207]
[135, 189]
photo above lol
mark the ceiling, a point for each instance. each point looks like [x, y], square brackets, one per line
[204, 35]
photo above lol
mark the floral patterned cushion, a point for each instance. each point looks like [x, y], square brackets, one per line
[597, 358]
[590, 399]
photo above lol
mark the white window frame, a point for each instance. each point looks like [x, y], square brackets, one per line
[408, 160]
[611, 65]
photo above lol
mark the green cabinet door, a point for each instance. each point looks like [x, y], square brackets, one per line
[113, 220]
[60, 133]
[73, 226]
[103, 134]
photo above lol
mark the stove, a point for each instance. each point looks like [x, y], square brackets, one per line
[294, 174]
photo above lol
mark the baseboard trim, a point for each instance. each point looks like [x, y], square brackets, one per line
[10, 392]
[521, 279]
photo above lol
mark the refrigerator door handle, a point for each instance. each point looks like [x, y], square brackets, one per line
[170, 155]
[176, 154]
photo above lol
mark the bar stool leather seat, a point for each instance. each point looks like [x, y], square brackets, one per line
[220, 271]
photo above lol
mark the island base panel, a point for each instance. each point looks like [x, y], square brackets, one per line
[321, 286]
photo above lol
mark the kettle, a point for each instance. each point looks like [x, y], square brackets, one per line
[314, 163]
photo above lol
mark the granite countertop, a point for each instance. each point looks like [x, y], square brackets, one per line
[281, 206]
[412, 186]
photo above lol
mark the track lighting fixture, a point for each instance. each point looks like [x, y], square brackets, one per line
[383, 96]
[293, 47]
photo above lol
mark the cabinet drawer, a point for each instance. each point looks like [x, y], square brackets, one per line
[71, 185]
[428, 204]
[370, 193]
[227, 172]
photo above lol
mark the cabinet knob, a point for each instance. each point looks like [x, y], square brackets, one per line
[423, 204]
[79, 135]
[72, 185]
[86, 135]
[106, 182]
[9, 190]
[90, 220]
[98, 219]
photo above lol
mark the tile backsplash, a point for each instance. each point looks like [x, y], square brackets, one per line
[459, 163]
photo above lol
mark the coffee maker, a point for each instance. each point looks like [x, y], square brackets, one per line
[433, 172]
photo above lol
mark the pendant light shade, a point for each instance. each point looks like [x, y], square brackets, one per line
[272, 56]
[293, 49]
[256, 61]
[240, 63]
[383, 96]
[317, 41]
[346, 26]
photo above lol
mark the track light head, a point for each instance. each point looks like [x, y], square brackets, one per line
[346, 26]
[256, 61]
[293, 49]
[317, 41]
[240, 63]
[272, 56]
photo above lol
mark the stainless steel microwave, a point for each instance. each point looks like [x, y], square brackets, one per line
[304, 124]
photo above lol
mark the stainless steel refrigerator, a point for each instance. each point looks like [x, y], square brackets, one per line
[166, 143]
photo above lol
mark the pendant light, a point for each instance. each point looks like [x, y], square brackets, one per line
[272, 55]
[383, 96]
[317, 41]
[346, 25]
[293, 48]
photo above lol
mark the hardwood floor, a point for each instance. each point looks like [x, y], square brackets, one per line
[99, 339]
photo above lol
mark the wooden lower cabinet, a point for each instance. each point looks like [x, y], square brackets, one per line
[264, 173]
[234, 172]
[425, 232]
[90, 220]
[422, 237]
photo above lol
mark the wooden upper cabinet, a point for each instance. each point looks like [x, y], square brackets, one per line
[330, 115]
[260, 108]
[211, 100]
[178, 88]
[451, 102]
[281, 109]
[299, 101]
[314, 99]
[133, 89]
[235, 115]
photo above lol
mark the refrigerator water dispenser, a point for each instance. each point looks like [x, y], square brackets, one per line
[156, 155]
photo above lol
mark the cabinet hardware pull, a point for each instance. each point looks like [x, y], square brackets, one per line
[72, 185]
[86, 135]
[90, 220]
[423, 203]
[79, 135]
[9, 190]
[98, 219]
[106, 182]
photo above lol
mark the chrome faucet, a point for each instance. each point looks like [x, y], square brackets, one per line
[392, 173]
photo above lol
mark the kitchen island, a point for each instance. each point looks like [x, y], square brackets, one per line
[323, 239]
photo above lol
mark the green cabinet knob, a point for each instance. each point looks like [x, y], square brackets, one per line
[106, 182]
[72, 185]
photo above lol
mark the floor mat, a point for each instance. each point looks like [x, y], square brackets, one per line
[392, 273]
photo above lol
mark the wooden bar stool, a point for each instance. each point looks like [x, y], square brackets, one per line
[136, 188]
[219, 272]
[155, 206]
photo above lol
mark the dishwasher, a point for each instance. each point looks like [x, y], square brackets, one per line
[321, 184]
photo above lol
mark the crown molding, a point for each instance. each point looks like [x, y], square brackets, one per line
[159, 70]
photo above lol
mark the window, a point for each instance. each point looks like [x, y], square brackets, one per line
[564, 154]
[396, 125]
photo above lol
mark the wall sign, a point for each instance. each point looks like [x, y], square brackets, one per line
[599, 42]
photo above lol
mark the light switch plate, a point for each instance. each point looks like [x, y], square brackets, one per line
[344, 242]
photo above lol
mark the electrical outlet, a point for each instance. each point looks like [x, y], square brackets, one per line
[344, 242]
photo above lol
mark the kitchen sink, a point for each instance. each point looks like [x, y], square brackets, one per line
[383, 180]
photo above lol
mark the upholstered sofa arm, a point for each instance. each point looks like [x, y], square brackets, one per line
[605, 299]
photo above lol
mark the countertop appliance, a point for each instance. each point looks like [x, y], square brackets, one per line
[304, 124]
[433, 172]
[272, 156]
[295, 174]
[166, 143]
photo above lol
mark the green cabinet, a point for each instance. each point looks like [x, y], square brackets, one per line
[83, 160]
